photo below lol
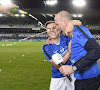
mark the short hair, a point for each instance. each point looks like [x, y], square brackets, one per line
[48, 22]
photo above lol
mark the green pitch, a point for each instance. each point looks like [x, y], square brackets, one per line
[23, 66]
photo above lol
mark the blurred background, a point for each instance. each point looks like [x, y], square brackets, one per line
[22, 26]
[23, 66]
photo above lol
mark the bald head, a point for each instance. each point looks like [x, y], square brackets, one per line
[63, 15]
[64, 21]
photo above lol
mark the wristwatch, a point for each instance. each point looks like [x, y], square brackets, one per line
[74, 68]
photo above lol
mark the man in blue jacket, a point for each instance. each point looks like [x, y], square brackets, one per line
[85, 52]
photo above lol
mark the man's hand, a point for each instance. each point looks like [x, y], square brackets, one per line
[6, 8]
[76, 22]
[66, 70]
[70, 25]
[49, 41]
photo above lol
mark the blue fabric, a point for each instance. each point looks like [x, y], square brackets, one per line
[78, 51]
[62, 48]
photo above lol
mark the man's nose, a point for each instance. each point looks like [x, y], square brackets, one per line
[52, 30]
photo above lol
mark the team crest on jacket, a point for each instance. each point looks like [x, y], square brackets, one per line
[61, 49]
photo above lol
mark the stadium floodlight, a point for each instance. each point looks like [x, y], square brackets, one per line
[80, 15]
[77, 15]
[5, 2]
[74, 15]
[1, 15]
[51, 2]
[22, 15]
[79, 3]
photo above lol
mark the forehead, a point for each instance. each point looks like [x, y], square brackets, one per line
[57, 19]
[51, 25]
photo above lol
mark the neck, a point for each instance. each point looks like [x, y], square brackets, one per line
[56, 40]
[69, 29]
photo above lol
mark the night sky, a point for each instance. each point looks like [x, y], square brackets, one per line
[91, 4]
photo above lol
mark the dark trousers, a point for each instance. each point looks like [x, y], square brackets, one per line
[88, 84]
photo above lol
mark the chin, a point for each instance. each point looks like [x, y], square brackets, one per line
[70, 36]
[53, 37]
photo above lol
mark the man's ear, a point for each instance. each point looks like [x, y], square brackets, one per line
[65, 22]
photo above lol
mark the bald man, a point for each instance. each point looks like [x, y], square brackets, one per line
[6, 8]
[85, 52]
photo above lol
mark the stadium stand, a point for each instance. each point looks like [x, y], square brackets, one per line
[16, 28]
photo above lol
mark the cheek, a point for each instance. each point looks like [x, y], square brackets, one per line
[58, 32]
[62, 26]
[59, 26]
[48, 33]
